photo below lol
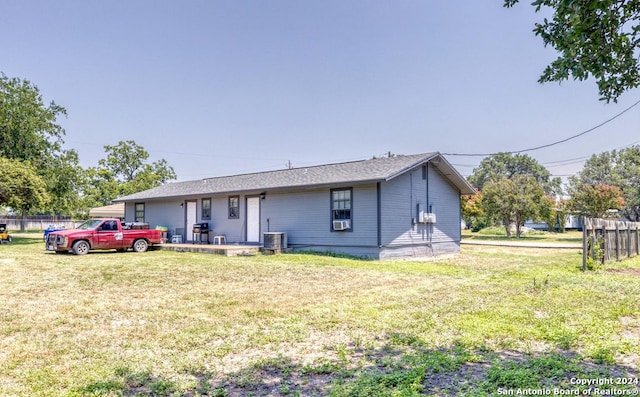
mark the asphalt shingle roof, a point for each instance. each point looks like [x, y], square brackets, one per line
[373, 170]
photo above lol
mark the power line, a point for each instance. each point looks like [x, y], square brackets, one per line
[549, 144]
[578, 160]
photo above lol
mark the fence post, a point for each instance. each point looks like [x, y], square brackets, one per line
[637, 240]
[593, 239]
[628, 240]
[605, 245]
[617, 237]
[585, 246]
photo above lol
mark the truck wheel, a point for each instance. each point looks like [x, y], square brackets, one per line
[140, 245]
[81, 247]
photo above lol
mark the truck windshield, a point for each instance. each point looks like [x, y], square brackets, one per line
[90, 224]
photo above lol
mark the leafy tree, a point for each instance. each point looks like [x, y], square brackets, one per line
[513, 200]
[127, 162]
[66, 180]
[471, 205]
[508, 165]
[628, 170]
[29, 132]
[594, 38]
[101, 187]
[124, 171]
[554, 212]
[619, 168]
[562, 212]
[21, 188]
[472, 211]
[595, 200]
[547, 212]
[28, 128]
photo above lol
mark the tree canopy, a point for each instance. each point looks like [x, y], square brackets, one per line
[513, 200]
[509, 165]
[594, 38]
[616, 168]
[31, 148]
[596, 200]
[29, 132]
[21, 188]
[514, 188]
[28, 127]
[125, 171]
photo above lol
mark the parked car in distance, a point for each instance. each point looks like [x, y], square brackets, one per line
[103, 234]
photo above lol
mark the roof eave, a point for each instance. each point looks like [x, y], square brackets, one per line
[412, 166]
[255, 191]
[454, 176]
[445, 168]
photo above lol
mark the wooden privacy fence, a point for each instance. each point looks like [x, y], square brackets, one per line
[608, 240]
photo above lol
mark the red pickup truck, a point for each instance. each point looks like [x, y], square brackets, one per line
[103, 234]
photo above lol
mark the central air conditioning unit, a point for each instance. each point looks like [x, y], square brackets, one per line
[341, 225]
[275, 240]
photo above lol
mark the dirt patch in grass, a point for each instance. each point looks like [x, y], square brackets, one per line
[630, 272]
[456, 371]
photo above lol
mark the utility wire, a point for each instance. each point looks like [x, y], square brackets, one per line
[549, 144]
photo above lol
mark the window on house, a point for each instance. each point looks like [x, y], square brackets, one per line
[206, 208]
[341, 206]
[234, 207]
[139, 212]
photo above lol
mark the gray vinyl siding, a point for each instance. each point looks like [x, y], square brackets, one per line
[233, 229]
[306, 217]
[400, 198]
[402, 236]
[445, 199]
[158, 213]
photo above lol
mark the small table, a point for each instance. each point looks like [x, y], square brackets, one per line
[219, 240]
[176, 239]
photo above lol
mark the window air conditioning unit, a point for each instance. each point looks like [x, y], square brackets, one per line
[427, 217]
[341, 225]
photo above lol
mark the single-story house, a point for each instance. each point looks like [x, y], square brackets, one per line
[392, 207]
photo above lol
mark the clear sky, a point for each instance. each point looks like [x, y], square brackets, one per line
[233, 86]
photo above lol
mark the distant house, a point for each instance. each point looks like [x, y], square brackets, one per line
[393, 207]
[572, 222]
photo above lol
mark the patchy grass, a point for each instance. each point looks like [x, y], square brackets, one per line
[168, 323]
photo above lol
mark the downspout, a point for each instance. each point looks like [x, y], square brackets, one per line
[430, 225]
[427, 188]
[411, 200]
[379, 214]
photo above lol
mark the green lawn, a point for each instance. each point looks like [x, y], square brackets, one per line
[489, 320]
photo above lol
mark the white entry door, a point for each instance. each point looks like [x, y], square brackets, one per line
[191, 219]
[253, 219]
